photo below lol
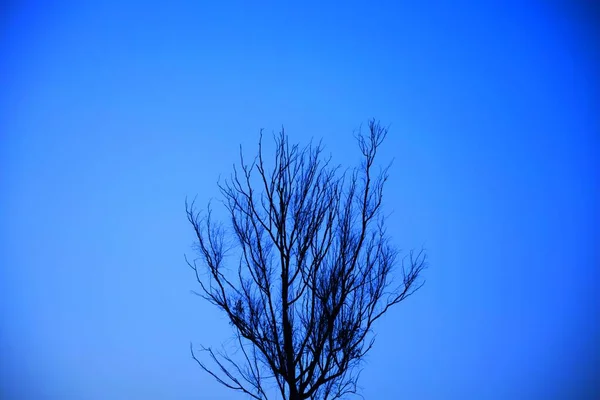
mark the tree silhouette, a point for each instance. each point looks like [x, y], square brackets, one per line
[315, 269]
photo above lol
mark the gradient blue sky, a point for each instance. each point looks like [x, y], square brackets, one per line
[111, 114]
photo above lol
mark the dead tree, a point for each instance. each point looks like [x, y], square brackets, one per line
[313, 271]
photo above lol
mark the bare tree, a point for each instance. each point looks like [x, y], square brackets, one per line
[314, 270]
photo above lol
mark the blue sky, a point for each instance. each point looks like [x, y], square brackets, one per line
[110, 115]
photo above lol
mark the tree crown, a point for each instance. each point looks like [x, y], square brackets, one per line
[314, 270]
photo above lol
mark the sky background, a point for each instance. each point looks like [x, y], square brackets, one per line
[111, 114]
